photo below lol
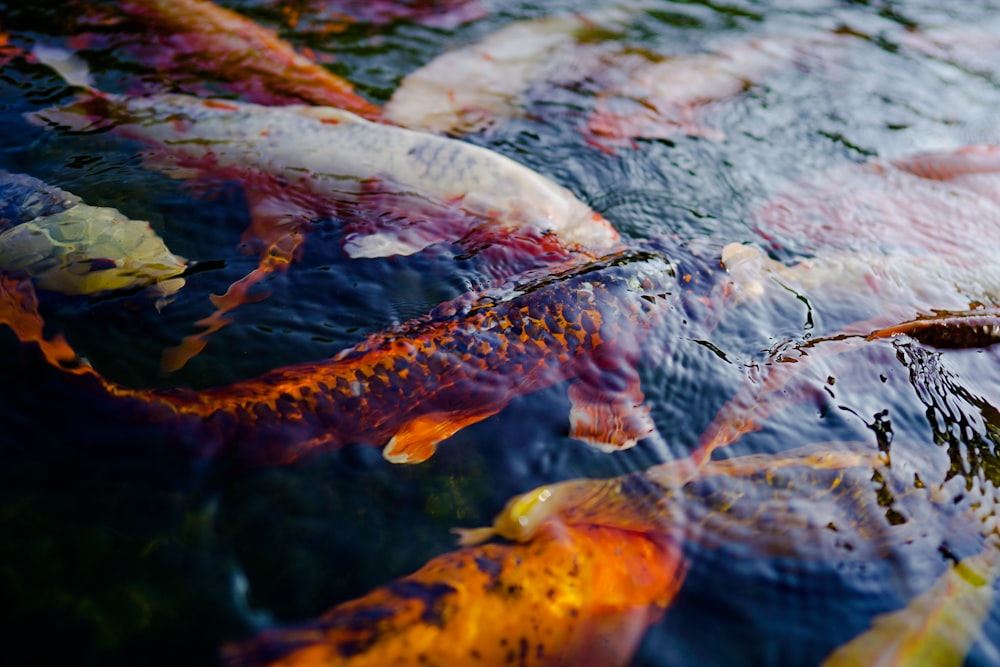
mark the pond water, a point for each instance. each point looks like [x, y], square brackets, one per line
[124, 542]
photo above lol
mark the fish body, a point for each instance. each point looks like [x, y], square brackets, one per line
[943, 202]
[194, 37]
[334, 155]
[583, 597]
[661, 97]
[68, 246]
[398, 190]
[895, 286]
[417, 384]
[628, 537]
[639, 95]
[333, 15]
[473, 87]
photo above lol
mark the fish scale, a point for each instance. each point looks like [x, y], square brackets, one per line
[415, 385]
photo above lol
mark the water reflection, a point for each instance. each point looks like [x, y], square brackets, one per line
[836, 205]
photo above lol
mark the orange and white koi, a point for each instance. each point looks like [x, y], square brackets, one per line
[640, 95]
[664, 97]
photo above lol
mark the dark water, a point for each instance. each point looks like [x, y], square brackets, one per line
[117, 546]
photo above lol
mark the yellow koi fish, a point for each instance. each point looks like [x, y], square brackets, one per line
[67, 246]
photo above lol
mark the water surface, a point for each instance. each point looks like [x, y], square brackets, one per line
[121, 547]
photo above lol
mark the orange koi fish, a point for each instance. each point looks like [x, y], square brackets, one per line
[604, 553]
[414, 385]
[189, 38]
[582, 596]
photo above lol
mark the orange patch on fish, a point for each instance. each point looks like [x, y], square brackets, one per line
[580, 595]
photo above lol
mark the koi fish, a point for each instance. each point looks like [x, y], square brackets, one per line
[403, 190]
[944, 202]
[474, 87]
[583, 597]
[938, 627]
[663, 97]
[414, 385]
[508, 602]
[334, 15]
[67, 246]
[955, 301]
[899, 284]
[640, 95]
[185, 39]
[824, 484]
[334, 155]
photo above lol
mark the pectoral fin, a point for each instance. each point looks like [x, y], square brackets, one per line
[609, 419]
[417, 440]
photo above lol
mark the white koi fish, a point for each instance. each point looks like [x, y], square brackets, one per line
[640, 94]
[468, 89]
[398, 190]
[904, 282]
[664, 97]
[331, 155]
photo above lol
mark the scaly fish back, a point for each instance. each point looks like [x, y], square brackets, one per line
[341, 156]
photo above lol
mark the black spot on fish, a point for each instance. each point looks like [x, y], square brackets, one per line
[489, 567]
[430, 594]
[100, 264]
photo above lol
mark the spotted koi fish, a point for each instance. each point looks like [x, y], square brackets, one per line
[399, 190]
[581, 597]
[528, 601]
[414, 385]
